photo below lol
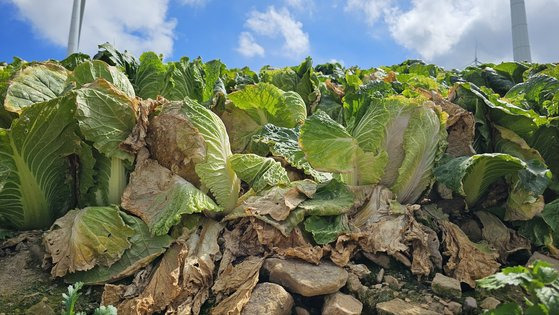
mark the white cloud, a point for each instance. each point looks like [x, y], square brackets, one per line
[297, 4]
[372, 9]
[307, 6]
[340, 61]
[248, 47]
[279, 23]
[446, 31]
[432, 28]
[134, 25]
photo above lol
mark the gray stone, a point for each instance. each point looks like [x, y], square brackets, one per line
[380, 275]
[380, 259]
[392, 282]
[470, 304]
[269, 298]
[446, 286]
[399, 307]
[306, 279]
[354, 285]
[428, 298]
[455, 308]
[539, 256]
[42, 308]
[341, 304]
[489, 303]
[301, 311]
[472, 230]
[359, 270]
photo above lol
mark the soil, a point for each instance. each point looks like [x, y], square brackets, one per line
[24, 283]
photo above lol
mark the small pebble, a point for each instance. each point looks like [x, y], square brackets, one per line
[392, 282]
[455, 307]
[489, 303]
[380, 275]
[470, 304]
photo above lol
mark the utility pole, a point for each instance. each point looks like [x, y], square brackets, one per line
[75, 26]
[520, 40]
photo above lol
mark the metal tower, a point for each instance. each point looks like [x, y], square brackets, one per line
[75, 26]
[520, 41]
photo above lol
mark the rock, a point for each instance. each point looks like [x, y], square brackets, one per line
[472, 229]
[380, 275]
[470, 304]
[446, 286]
[301, 311]
[539, 256]
[42, 308]
[489, 303]
[379, 259]
[455, 308]
[359, 270]
[399, 307]
[354, 285]
[392, 282]
[341, 304]
[269, 298]
[304, 278]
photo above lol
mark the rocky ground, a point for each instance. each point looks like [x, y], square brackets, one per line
[368, 285]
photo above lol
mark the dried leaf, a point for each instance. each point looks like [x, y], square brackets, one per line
[243, 240]
[25, 236]
[344, 248]
[276, 202]
[84, 238]
[164, 285]
[293, 246]
[112, 294]
[506, 241]
[387, 235]
[197, 274]
[460, 125]
[425, 249]
[137, 138]
[181, 282]
[234, 286]
[159, 197]
[176, 143]
[467, 261]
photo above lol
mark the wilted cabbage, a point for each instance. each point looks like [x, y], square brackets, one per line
[394, 143]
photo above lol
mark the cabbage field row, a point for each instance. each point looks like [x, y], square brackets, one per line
[184, 170]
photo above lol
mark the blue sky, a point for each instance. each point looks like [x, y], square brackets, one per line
[258, 32]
